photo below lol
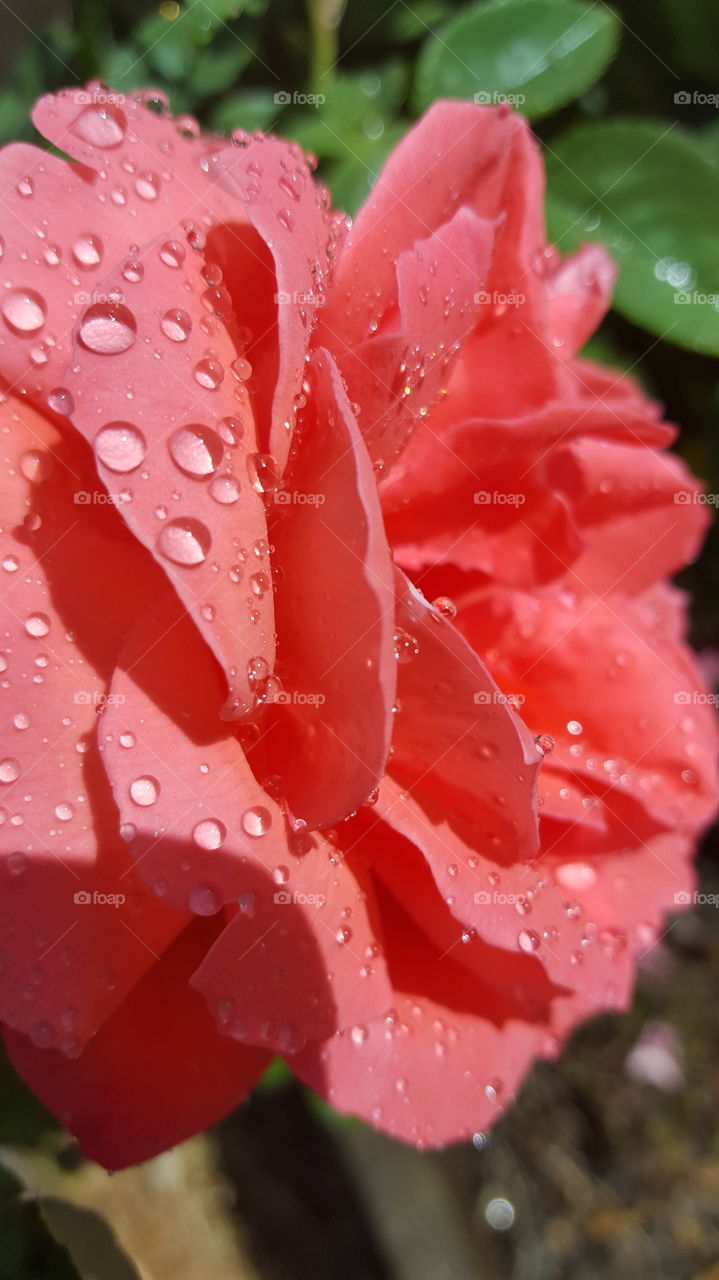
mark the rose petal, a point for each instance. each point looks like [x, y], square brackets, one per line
[179, 457]
[71, 957]
[335, 617]
[580, 292]
[205, 834]
[155, 1074]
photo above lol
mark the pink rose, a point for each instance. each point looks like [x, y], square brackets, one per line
[259, 796]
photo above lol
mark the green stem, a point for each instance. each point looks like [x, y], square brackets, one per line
[325, 17]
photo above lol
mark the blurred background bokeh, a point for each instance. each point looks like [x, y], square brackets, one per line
[607, 1165]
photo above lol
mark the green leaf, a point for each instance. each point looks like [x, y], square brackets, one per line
[539, 53]
[216, 70]
[253, 109]
[647, 191]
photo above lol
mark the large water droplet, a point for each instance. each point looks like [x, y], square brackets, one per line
[24, 310]
[204, 900]
[108, 328]
[100, 126]
[256, 821]
[185, 542]
[38, 624]
[176, 325]
[195, 449]
[87, 251]
[144, 791]
[9, 770]
[225, 489]
[120, 447]
[262, 470]
[209, 834]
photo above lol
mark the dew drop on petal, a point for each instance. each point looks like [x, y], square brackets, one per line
[9, 770]
[225, 489]
[209, 834]
[24, 310]
[195, 449]
[38, 624]
[176, 325]
[204, 900]
[60, 401]
[528, 941]
[107, 328]
[184, 542]
[100, 126]
[172, 253]
[256, 821]
[120, 447]
[144, 791]
[87, 251]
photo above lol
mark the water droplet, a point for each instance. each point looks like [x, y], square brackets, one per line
[256, 821]
[209, 834]
[144, 791]
[38, 624]
[209, 374]
[343, 935]
[172, 253]
[176, 325]
[196, 450]
[64, 812]
[445, 606]
[528, 941]
[100, 126]
[225, 489]
[204, 900]
[9, 770]
[87, 251]
[120, 447]
[358, 1035]
[25, 188]
[127, 740]
[185, 542]
[42, 1034]
[574, 727]
[133, 271]
[575, 876]
[544, 742]
[147, 186]
[60, 401]
[24, 310]
[108, 328]
[262, 470]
